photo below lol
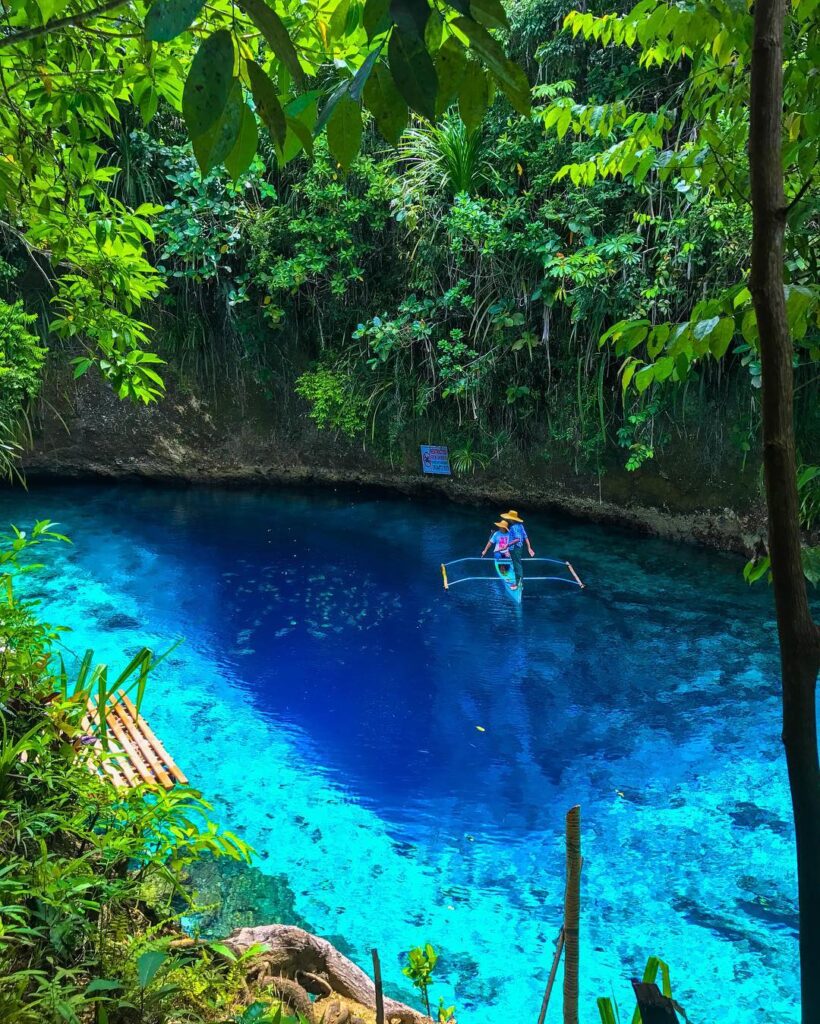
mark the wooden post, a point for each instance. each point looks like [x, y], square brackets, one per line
[559, 947]
[572, 913]
[377, 980]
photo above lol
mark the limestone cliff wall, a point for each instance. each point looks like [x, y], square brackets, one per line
[198, 437]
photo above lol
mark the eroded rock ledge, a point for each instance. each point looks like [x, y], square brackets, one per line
[296, 964]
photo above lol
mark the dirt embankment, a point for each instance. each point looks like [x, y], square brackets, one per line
[85, 431]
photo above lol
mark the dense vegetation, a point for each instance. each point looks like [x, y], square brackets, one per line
[453, 288]
[550, 253]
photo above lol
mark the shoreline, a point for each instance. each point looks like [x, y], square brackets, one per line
[722, 530]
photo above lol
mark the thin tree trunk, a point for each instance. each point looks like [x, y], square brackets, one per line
[799, 636]
[572, 914]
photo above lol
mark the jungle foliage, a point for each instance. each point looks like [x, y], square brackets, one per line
[454, 287]
[91, 878]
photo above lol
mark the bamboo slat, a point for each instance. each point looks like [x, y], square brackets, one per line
[135, 756]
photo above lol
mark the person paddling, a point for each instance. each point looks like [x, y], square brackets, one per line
[515, 545]
[498, 541]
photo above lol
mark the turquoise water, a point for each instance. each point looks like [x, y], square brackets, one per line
[328, 698]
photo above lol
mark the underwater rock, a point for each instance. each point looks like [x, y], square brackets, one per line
[236, 895]
[121, 621]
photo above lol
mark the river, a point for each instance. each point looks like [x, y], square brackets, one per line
[406, 755]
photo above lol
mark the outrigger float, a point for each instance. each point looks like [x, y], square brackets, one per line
[504, 572]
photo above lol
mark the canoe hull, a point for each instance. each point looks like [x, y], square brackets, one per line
[506, 574]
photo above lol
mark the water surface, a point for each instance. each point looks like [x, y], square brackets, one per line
[406, 756]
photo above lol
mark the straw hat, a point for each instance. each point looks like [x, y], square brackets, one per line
[502, 524]
[512, 515]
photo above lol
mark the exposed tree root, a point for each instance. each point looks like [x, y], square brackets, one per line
[293, 953]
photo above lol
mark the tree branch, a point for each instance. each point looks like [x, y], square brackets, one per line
[70, 21]
[803, 190]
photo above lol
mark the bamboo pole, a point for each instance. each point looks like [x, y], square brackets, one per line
[377, 981]
[572, 913]
[559, 946]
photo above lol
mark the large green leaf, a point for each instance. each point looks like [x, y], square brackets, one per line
[413, 72]
[384, 102]
[208, 83]
[451, 63]
[212, 146]
[338, 20]
[342, 89]
[376, 17]
[267, 102]
[362, 75]
[244, 150]
[410, 15]
[147, 966]
[168, 18]
[344, 132]
[276, 35]
[474, 95]
[300, 116]
[490, 13]
[509, 75]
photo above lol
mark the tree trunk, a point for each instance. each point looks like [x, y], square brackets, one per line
[572, 914]
[799, 636]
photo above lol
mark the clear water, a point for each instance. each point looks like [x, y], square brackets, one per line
[328, 695]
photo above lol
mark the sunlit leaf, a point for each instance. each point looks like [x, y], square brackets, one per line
[166, 19]
[344, 132]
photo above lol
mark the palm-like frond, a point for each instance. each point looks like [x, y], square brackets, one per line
[445, 160]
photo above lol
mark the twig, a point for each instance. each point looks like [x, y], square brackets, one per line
[559, 948]
[70, 21]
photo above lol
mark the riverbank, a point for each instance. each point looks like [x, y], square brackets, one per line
[84, 431]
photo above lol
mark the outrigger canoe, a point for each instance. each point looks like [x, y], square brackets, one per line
[504, 573]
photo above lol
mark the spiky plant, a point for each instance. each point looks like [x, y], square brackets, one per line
[445, 160]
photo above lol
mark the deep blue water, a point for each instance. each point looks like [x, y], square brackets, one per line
[328, 698]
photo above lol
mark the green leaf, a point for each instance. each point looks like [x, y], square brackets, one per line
[330, 105]
[376, 17]
[148, 965]
[300, 115]
[338, 20]
[344, 132]
[474, 95]
[267, 102]
[276, 35]
[703, 328]
[811, 564]
[384, 102]
[101, 985]
[451, 64]
[413, 72]
[363, 73]
[606, 1011]
[509, 75]
[240, 157]
[168, 18]
[212, 147]
[490, 13]
[209, 83]
[410, 15]
[721, 336]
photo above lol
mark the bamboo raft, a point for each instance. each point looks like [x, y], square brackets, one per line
[131, 755]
